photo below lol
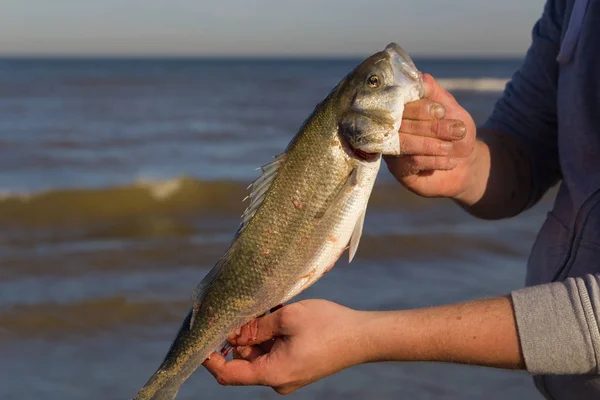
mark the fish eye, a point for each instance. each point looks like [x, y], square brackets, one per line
[373, 81]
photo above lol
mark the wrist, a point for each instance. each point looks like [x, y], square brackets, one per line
[476, 172]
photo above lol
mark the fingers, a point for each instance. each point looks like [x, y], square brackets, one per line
[258, 330]
[427, 129]
[248, 353]
[235, 372]
[424, 109]
[433, 89]
[445, 129]
[420, 145]
[437, 102]
[251, 353]
[412, 165]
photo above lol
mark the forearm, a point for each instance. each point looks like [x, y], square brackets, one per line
[479, 332]
[499, 183]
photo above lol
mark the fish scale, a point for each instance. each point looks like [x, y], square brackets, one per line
[305, 209]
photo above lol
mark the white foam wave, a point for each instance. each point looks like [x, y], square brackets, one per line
[474, 85]
[7, 195]
[161, 189]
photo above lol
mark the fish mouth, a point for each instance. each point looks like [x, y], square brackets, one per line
[365, 156]
[357, 153]
[404, 67]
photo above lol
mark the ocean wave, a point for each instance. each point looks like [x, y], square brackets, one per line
[158, 198]
[142, 198]
[474, 85]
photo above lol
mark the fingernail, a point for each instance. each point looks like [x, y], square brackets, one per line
[238, 331]
[446, 147]
[458, 130]
[437, 111]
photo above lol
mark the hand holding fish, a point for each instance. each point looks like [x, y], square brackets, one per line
[281, 349]
[437, 142]
[309, 340]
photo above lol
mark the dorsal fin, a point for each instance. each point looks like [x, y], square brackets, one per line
[259, 188]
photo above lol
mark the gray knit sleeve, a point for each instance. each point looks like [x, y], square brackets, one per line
[558, 326]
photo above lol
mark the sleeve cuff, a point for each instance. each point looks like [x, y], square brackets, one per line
[555, 328]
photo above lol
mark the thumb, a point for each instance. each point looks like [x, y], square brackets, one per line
[435, 91]
[259, 330]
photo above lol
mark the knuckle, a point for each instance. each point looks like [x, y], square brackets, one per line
[433, 147]
[428, 80]
[407, 125]
[284, 390]
[413, 161]
[440, 147]
[221, 380]
[406, 145]
[429, 147]
[413, 165]
[434, 127]
[288, 315]
[432, 86]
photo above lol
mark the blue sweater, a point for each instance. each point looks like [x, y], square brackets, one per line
[552, 106]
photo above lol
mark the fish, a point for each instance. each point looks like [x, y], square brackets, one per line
[305, 209]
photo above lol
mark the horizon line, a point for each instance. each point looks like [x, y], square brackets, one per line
[168, 56]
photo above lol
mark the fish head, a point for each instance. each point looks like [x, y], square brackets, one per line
[373, 98]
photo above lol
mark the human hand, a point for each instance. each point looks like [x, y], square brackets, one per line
[437, 142]
[293, 347]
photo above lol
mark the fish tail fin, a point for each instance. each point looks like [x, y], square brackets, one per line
[175, 369]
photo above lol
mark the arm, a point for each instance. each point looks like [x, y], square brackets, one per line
[282, 349]
[480, 332]
[558, 326]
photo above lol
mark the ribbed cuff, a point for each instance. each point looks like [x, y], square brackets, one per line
[553, 328]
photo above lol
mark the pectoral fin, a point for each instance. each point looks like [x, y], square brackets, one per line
[356, 234]
[338, 196]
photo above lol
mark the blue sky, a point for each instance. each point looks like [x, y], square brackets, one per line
[265, 27]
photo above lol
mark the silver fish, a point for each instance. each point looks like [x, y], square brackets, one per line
[306, 208]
